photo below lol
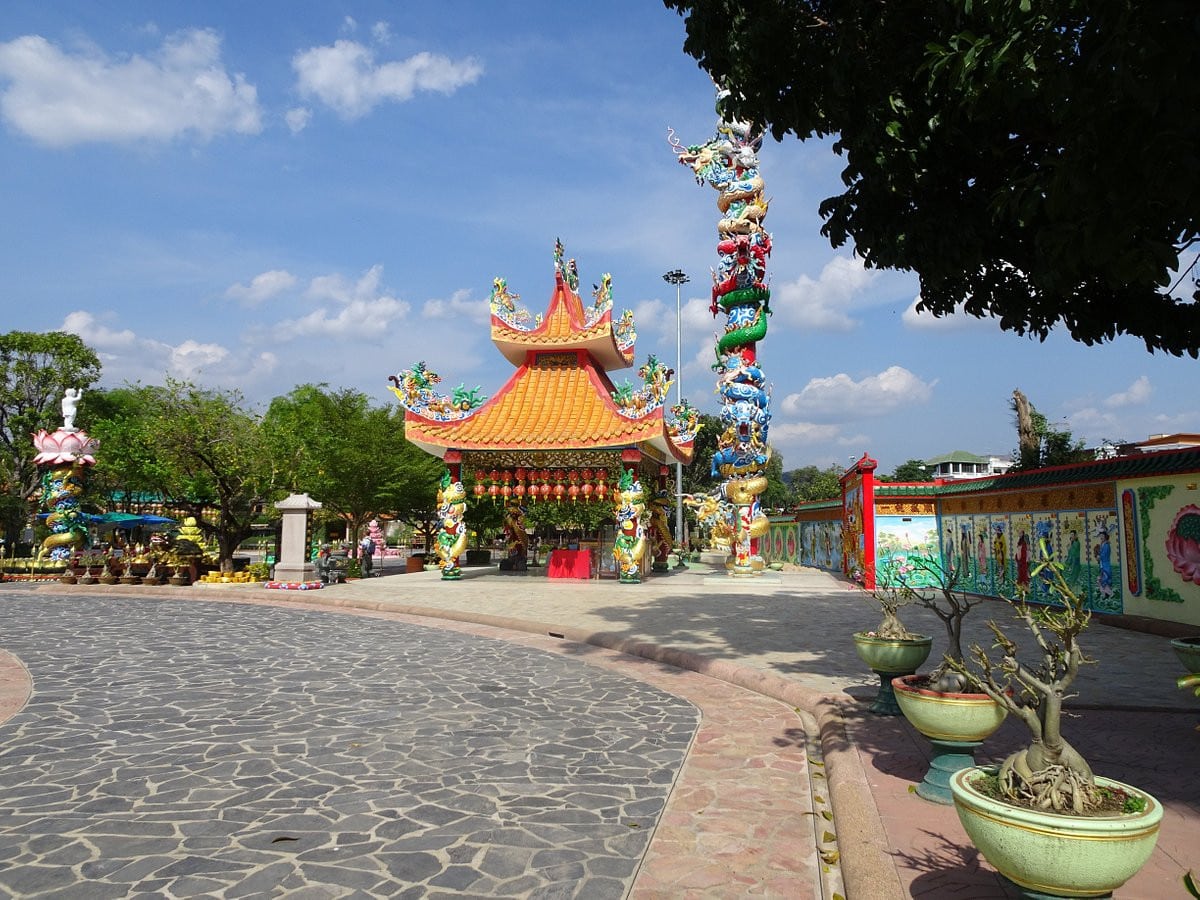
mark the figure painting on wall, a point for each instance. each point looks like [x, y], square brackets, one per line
[1022, 560]
[1104, 574]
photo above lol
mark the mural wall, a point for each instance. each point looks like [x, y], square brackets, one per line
[1161, 519]
[807, 543]
[995, 553]
[907, 546]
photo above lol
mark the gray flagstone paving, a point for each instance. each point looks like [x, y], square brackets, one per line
[201, 749]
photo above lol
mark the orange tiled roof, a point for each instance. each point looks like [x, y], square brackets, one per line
[557, 400]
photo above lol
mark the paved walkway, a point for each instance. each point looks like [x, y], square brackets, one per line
[783, 788]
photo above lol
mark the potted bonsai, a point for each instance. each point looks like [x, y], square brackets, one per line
[1042, 818]
[891, 649]
[941, 705]
[106, 573]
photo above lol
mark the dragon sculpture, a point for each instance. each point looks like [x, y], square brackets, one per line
[629, 548]
[656, 382]
[505, 307]
[514, 529]
[728, 162]
[414, 387]
[452, 530]
[660, 528]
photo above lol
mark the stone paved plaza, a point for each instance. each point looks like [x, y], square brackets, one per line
[196, 749]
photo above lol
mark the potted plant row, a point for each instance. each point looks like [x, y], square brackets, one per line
[954, 716]
[1042, 818]
[890, 649]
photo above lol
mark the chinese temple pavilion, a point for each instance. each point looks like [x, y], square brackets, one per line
[559, 430]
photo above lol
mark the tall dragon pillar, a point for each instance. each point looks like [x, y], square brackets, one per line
[728, 162]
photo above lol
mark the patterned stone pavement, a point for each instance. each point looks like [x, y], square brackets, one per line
[201, 749]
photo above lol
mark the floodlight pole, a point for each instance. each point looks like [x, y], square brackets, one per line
[678, 278]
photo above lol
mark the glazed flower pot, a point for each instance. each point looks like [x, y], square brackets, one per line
[1054, 854]
[955, 723]
[1188, 651]
[887, 658]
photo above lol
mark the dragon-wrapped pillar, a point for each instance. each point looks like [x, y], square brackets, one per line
[65, 457]
[660, 524]
[452, 529]
[514, 532]
[729, 163]
[629, 548]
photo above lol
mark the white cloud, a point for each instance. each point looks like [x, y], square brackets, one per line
[262, 287]
[364, 308]
[1135, 395]
[96, 335]
[189, 359]
[955, 321]
[458, 307]
[840, 397]
[60, 98]
[347, 78]
[823, 304]
[297, 118]
[381, 33]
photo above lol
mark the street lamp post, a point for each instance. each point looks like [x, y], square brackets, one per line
[678, 278]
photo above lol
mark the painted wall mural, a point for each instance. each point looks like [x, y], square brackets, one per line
[907, 547]
[995, 554]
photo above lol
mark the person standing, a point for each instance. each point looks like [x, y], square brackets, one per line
[366, 555]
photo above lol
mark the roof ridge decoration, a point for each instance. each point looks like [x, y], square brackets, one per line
[656, 383]
[505, 307]
[414, 388]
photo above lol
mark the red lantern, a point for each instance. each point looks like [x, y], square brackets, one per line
[559, 490]
[495, 474]
[521, 474]
[587, 474]
[587, 490]
[479, 489]
[493, 490]
[573, 476]
[506, 491]
[601, 490]
[519, 489]
[544, 489]
[602, 474]
[573, 492]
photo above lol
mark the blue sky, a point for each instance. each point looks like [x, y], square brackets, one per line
[260, 195]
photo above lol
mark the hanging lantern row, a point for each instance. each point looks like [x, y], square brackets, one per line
[543, 484]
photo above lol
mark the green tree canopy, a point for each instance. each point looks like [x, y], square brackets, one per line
[810, 483]
[1032, 161]
[909, 470]
[200, 449]
[351, 456]
[35, 371]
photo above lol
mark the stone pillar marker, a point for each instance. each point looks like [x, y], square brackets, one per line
[293, 563]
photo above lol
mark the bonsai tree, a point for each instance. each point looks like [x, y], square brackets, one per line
[892, 594]
[1048, 774]
[934, 586]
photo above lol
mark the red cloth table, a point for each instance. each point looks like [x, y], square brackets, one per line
[569, 564]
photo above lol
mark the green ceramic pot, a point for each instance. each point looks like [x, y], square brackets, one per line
[1056, 854]
[946, 716]
[900, 657]
[1188, 651]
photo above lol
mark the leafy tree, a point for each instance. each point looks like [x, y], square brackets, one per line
[777, 495]
[811, 483]
[697, 477]
[1035, 162]
[35, 370]
[1040, 444]
[909, 470]
[122, 419]
[349, 455]
[199, 449]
